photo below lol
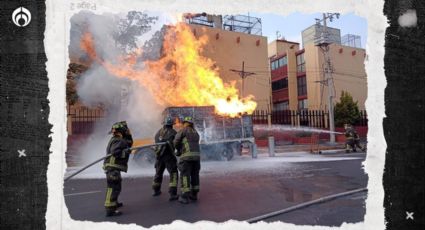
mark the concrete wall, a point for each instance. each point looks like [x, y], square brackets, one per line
[228, 54]
[349, 74]
[280, 47]
[314, 73]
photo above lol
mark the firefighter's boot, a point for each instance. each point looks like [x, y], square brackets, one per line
[173, 194]
[184, 198]
[156, 192]
[193, 196]
[348, 148]
[110, 213]
[173, 197]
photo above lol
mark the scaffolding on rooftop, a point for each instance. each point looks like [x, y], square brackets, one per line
[242, 23]
[351, 40]
[237, 23]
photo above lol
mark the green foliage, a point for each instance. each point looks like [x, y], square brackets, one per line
[71, 92]
[346, 110]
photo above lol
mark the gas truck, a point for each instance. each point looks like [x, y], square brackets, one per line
[221, 137]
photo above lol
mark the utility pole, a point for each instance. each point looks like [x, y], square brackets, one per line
[324, 41]
[243, 74]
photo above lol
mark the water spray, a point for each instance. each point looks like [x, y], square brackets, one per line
[291, 128]
[108, 155]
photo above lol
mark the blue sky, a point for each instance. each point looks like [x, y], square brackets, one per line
[290, 26]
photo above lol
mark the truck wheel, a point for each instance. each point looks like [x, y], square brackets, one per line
[237, 149]
[227, 155]
[144, 155]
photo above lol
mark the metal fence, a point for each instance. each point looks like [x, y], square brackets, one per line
[311, 118]
[83, 120]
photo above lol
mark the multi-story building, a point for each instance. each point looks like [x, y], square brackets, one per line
[237, 45]
[298, 75]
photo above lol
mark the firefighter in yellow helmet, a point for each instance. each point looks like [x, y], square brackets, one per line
[118, 146]
[165, 159]
[186, 143]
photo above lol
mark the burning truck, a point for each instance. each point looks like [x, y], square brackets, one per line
[187, 83]
[221, 137]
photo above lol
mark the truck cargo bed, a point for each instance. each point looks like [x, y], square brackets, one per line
[220, 136]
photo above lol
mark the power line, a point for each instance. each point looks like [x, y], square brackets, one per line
[243, 74]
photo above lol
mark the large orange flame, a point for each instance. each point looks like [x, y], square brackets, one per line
[182, 76]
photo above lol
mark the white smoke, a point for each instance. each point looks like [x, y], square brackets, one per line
[123, 99]
[96, 86]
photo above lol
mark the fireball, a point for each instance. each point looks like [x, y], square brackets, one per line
[181, 77]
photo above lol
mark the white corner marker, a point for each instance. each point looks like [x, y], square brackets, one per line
[409, 215]
[408, 19]
[22, 153]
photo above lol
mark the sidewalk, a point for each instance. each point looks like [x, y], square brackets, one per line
[303, 148]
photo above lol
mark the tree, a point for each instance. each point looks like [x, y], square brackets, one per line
[130, 28]
[74, 72]
[346, 110]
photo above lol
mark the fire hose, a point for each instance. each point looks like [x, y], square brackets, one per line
[108, 155]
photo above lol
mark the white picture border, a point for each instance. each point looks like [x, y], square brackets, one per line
[57, 33]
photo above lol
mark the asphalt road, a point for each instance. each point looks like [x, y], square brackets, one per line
[237, 194]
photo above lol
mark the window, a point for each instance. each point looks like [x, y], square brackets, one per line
[302, 86]
[302, 104]
[279, 63]
[282, 61]
[273, 65]
[300, 63]
[280, 84]
[281, 106]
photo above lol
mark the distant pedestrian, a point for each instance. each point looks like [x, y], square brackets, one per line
[165, 159]
[186, 143]
[118, 146]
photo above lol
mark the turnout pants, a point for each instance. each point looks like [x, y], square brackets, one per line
[189, 177]
[351, 144]
[171, 166]
[113, 179]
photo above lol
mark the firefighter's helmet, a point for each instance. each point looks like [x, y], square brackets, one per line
[120, 126]
[188, 119]
[168, 121]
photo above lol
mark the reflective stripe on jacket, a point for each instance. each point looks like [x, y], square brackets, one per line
[119, 158]
[187, 143]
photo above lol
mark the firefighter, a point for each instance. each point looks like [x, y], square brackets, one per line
[352, 139]
[187, 148]
[165, 159]
[127, 135]
[118, 146]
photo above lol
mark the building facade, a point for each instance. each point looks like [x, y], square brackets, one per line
[231, 50]
[298, 75]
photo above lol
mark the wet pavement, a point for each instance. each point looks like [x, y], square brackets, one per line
[348, 209]
[231, 191]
